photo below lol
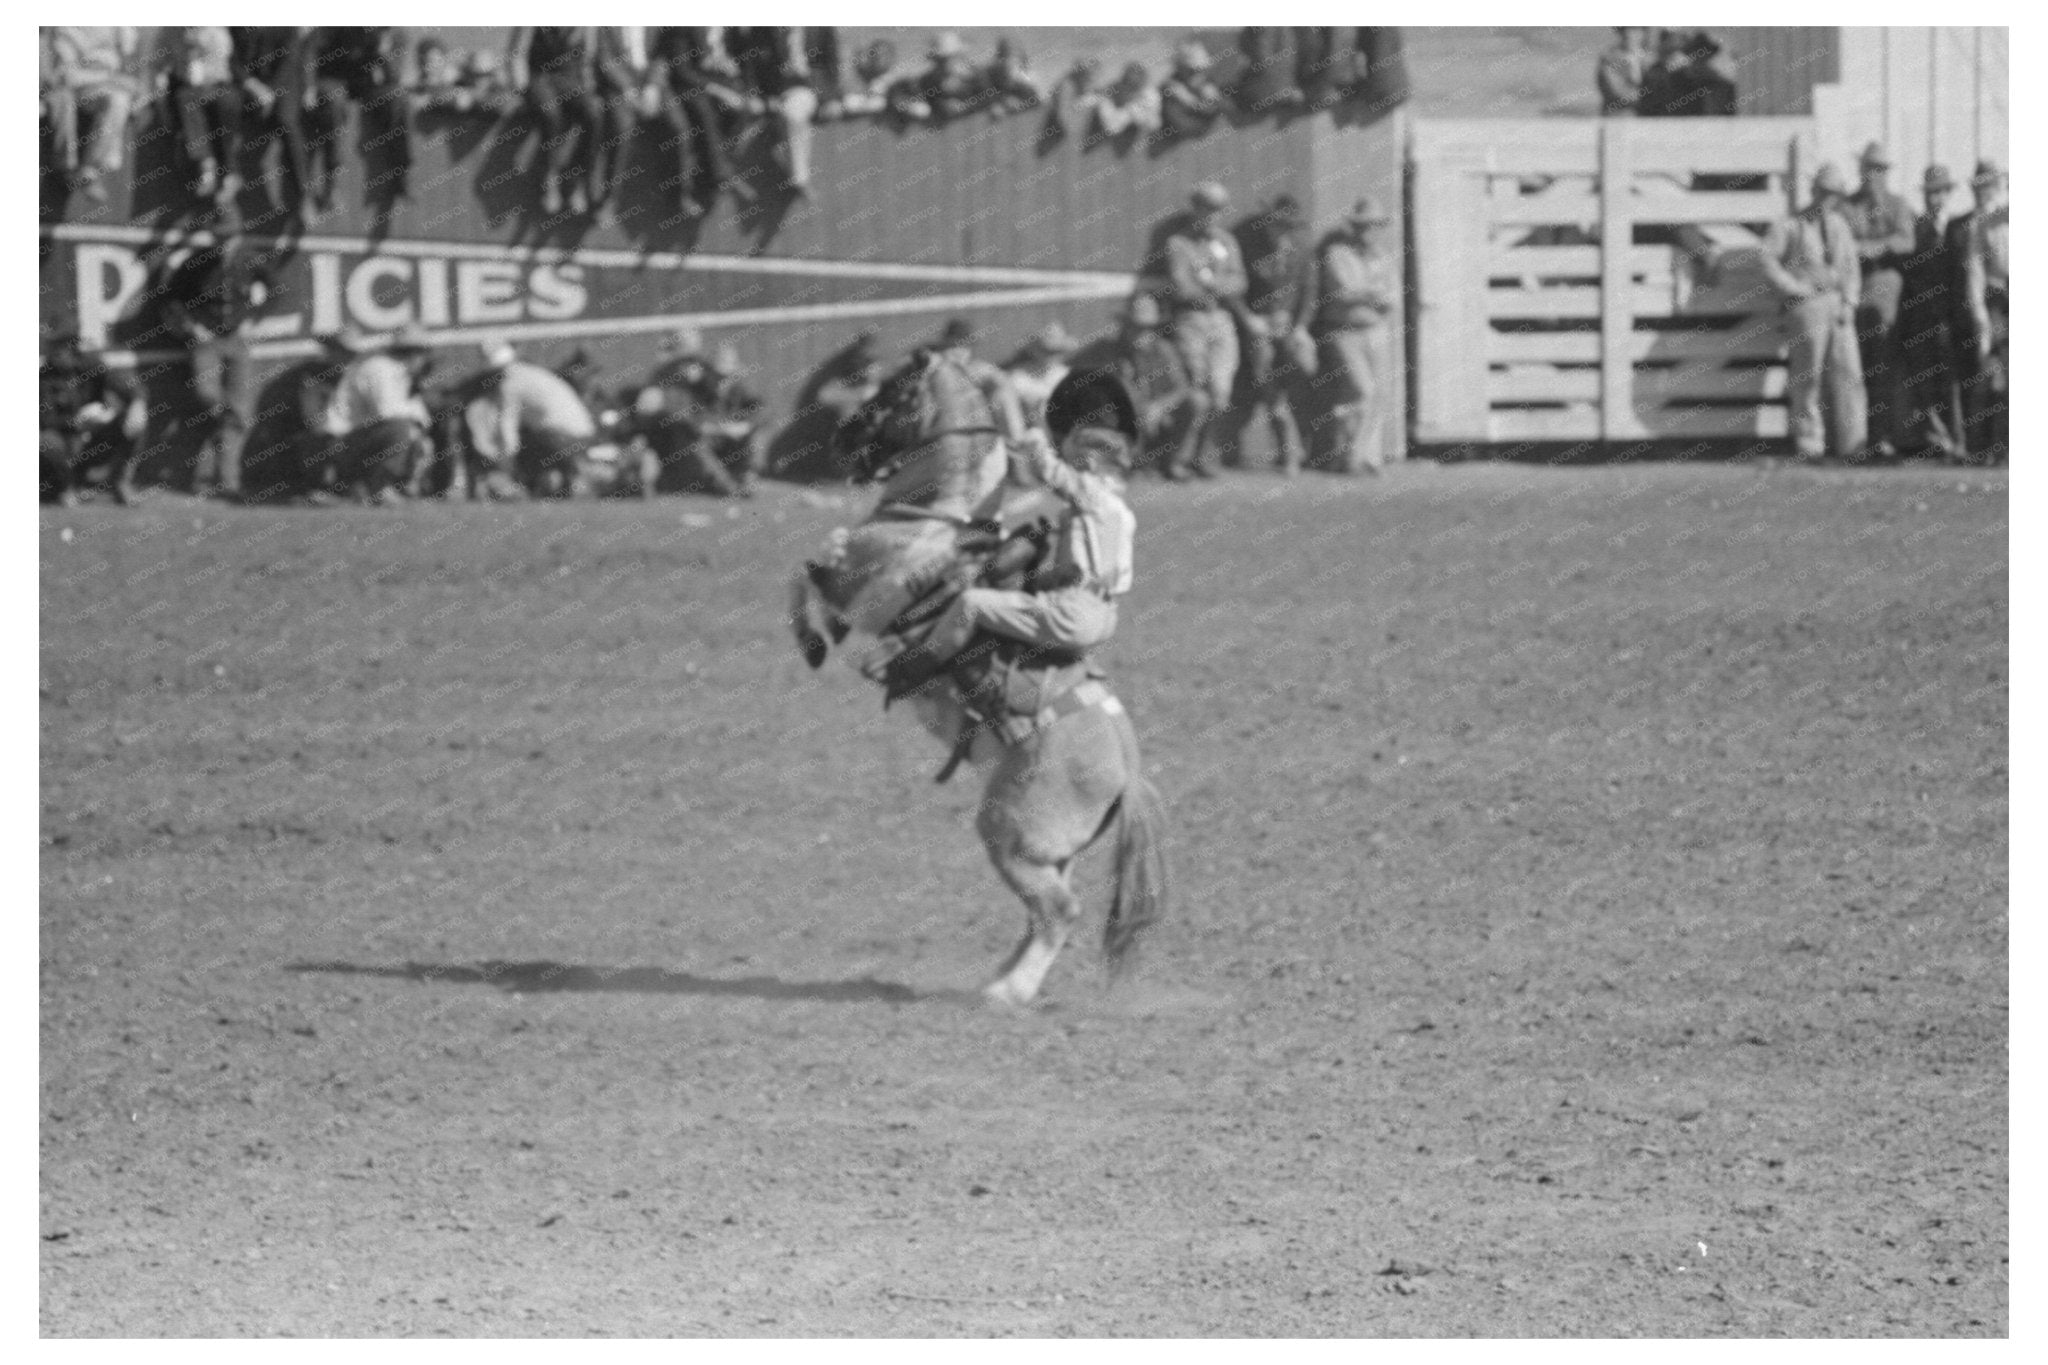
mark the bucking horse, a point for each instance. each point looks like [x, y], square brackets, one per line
[1057, 749]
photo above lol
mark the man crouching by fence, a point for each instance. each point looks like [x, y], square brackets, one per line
[376, 419]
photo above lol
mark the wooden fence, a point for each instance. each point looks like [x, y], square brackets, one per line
[1596, 280]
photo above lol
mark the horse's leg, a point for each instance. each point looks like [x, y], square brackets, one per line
[801, 592]
[1046, 893]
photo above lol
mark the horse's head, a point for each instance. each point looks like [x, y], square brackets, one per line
[930, 398]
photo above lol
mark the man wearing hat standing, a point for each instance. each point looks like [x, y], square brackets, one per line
[210, 302]
[1983, 255]
[1883, 224]
[1811, 262]
[1355, 288]
[1278, 263]
[1924, 345]
[1205, 286]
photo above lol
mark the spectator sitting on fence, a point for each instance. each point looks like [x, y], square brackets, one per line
[1011, 86]
[1190, 101]
[1266, 85]
[195, 72]
[1692, 77]
[483, 80]
[782, 69]
[874, 72]
[1621, 71]
[93, 92]
[1037, 369]
[270, 63]
[555, 69]
[93, 418]
[1328, 63]
[525, 422]
[1130, 103]
[702, 110]
[369, 68]
[441, 89]
[946, 88]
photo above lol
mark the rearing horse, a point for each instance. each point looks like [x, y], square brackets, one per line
[929, 436]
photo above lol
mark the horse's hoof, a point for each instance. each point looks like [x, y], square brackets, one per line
[815, 649]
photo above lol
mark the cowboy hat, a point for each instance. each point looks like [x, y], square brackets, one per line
[347, 341]
[1988, 172]
[1052, 339]
[497, 354]
[1367, 212]
[410, 337]
[683, 341]
[1092, 398]
[1144, 310]
[1874, 155]
[1937, 178]
[1828, 180]
[1210, 195]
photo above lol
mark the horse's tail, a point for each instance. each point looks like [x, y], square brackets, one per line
[1141, 882]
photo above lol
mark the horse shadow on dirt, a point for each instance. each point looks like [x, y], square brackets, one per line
[534, 978]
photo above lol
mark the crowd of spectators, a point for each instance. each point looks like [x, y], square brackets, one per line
[1896, 319]
[711, 91]
[1227, 326]
[1666, 73]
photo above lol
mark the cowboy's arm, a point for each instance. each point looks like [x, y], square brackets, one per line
[1181, 266]
[1848, 275]
[1230, 281]
[1788, 285]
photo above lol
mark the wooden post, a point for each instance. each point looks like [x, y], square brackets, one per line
[1452, 218]
[1617, 279]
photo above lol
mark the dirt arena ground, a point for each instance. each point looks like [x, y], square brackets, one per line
[476, 921]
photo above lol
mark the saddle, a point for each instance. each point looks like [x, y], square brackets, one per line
[1007, 687]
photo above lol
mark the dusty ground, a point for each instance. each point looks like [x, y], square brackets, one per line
[475, 921]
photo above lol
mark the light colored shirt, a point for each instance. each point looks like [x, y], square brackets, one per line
[374, 388]
[526, 398]
[1100, 536]
[91, 56]
[197, 56]
[1205, 269]
[1807, 255]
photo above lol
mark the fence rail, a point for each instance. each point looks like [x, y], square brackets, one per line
[1596, 280]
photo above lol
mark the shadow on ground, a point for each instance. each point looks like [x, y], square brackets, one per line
[536, 977]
